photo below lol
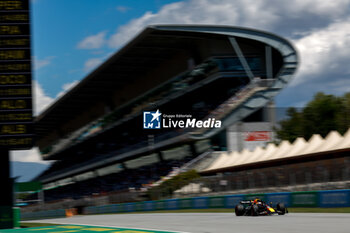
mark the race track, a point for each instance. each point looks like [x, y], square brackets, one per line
[218, 222]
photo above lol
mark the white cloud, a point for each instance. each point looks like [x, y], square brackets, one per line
[324, 52]
[42, 100]
[330, 8]
[93, 42]
[122, 9]
[32, 155]
[67, 87]
[92, 63]
[272, 15]
[40, 63]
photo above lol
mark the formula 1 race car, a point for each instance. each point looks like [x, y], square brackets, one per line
[258, 207]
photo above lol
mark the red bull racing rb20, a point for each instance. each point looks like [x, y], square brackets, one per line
[258, 207]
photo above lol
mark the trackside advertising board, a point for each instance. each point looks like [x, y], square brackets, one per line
[16, 127]
[331, 198]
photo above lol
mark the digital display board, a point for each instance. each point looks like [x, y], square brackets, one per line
[16, 121]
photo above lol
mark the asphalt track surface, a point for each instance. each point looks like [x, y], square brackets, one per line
[218, 222]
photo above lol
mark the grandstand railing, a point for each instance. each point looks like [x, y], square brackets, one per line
[193, 164]
[226, 108]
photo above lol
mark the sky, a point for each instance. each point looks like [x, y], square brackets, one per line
[72, 37]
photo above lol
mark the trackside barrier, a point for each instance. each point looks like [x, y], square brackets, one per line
[148, 206]
[278, 197]
[129, 207]
[172, 204]
[200, 203]
[305, 199]
[232, 200]
[254, 196]
[332, 198]
[186, 203]
[160, 205]
[139, 206]
[217, 202]
[44, 214]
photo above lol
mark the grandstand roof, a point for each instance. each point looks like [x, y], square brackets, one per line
[316, 146]
[148, 49]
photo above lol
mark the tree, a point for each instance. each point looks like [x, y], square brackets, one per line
[320, 116]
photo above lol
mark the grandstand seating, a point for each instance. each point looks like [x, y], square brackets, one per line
[329, 173]
[333, 142]
[134, 177]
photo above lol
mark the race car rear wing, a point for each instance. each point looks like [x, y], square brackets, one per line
[245, 202]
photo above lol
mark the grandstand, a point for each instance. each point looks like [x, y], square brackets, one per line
[95, 133]
[317, 164]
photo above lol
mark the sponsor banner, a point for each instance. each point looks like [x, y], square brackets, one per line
[117, 208]
[172, 204]
[139, 206]
[185, 203]
[160, 205]
[129, 207]
[148, 206]
[305, 199]
[232, 200]
[200, 202]
[278, 198]
[336, 198]
[257, 136]
[217, 202]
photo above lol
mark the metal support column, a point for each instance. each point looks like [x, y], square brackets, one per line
[241, 58]
[6, 192]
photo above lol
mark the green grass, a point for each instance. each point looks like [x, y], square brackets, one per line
[36, 224]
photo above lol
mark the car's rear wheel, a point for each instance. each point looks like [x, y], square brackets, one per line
[239, 210]
[281, 209]
[254, 210]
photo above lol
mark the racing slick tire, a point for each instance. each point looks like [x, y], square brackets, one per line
[281, 209]
[254, 210]
[239, 210]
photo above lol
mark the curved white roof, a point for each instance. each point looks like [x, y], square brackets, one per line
[332, 142]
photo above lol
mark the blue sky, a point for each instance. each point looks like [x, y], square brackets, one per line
[59, 25]
[72, 37]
